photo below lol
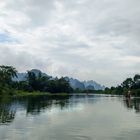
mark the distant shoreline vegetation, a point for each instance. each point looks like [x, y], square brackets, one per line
[36, 84]
[130, 84]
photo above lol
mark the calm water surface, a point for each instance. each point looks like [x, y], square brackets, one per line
[88, 117]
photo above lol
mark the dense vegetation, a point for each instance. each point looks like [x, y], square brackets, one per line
[33, 83]
[6, 75]
[38, 83]
[132, 84]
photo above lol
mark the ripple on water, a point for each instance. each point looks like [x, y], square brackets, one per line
[80, 118]
[82, 137]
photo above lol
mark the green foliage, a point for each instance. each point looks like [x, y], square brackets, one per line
[7, 73]
[136, 81]
[35, 83]
[38, 82]
[128, 83]
[59, 85]
[132, 84]
[137, 78]
[6, 83]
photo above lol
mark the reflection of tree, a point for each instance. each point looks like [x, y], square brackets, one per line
[32, 105]
[7, 114]
[129, 103]
[133, 103]
[63, 103]
[35, 105]
[137, 105]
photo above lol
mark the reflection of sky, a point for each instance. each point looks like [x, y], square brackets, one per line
[81, 119]
[55, 110]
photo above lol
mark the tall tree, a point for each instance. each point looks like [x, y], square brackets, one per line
[137, 78]
[6, 83]
[136, 81]
[7, 73]
[128, 83]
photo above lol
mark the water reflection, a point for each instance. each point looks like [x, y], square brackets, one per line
[32, 105]
[137, 105]
[133, 103]
[36, 105]
[7, 113]
[85, 117]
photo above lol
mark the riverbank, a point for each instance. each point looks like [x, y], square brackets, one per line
[33, 93]
[20, 93]
[37, 93]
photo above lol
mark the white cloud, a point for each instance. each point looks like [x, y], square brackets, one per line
[86, 39]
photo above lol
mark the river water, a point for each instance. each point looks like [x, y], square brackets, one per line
[82, 117]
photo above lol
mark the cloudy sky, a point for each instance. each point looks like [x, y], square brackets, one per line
[84, 39]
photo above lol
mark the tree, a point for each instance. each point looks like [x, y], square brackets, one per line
[37, 82]
[137, 78]
[128, 83]
[59, 86]
[136, 81]
[7, 73]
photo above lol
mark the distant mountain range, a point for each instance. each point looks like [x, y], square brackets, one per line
[74, 83]
[91, 85]
[23, 76]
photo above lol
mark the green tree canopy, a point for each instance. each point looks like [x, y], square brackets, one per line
[128, 83]
[7, 73]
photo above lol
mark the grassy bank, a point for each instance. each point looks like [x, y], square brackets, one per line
[37, 93]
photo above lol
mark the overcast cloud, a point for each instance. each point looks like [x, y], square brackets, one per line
[84, 39]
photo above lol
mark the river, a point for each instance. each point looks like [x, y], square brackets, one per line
[78, 117]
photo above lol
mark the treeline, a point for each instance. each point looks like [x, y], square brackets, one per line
[33, 82]
[37, 82]
[132, 84]
[6, 83]
[88, 91]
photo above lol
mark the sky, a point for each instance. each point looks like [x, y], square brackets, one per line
[84, 39]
